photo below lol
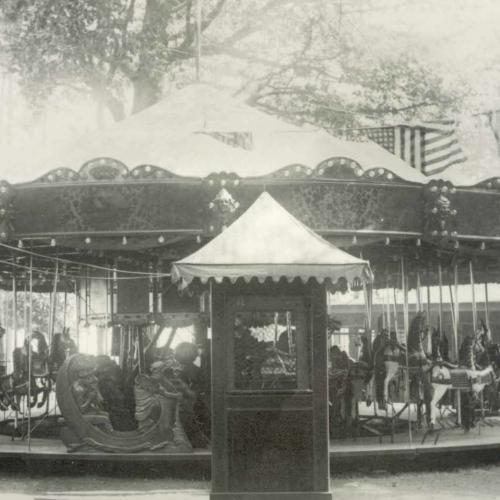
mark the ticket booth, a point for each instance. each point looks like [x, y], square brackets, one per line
[267, 276]
[270, 407]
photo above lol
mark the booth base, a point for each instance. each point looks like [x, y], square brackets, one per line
[275, 495]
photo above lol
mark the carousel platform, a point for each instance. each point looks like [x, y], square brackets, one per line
[440, 444]
[54, 450]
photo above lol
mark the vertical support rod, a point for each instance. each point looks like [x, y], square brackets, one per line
[428, 312]
[159, 289]
[457, 307]
[473, 296]
[404, 286]
[418, 296]
[77, 313]
[30, 351]
[14, 312]
[440, 283]
[54, 303]
[151, 294]
[455, 334]
[396, 326]
[107, 322]
[487, 309]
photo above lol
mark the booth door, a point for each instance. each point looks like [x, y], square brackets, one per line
[270, 426]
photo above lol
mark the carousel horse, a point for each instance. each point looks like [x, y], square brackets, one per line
[487, 354]
[440, 373]
[386, 361]
[29, 379]
[347, 381]
[62, 347]
[419, 367]
[476, 376]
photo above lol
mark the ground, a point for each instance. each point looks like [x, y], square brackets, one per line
[473, 482]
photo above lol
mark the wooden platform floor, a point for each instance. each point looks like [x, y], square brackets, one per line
[444, 440]
[486, 437]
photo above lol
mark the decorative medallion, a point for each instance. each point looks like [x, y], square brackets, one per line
[223, 207]
[104, 169]
[440, 214]
[6, 207]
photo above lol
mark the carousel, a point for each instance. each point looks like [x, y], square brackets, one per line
[138, 260]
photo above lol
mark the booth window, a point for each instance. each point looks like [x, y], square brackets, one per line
[267, 352]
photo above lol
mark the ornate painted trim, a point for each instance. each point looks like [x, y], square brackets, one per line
[107, 170]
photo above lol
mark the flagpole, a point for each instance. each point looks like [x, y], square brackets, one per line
[198, 37]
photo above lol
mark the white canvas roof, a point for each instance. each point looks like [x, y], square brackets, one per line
[175, 134]
[267, 241]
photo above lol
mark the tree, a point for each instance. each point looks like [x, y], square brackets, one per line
[104, 47]
[98, 47]
[300, 59]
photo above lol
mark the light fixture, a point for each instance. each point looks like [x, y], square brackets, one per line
[88, 240]
[161, 239]
[53, 242]
[483, 245]
[387, 241]
[198, 238]
[419, 242]
[124, 240]
[20, 244]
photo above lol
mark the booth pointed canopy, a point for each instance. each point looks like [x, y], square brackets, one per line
[267, 241]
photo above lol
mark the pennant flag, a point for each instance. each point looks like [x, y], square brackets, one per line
[242, 140]
[430, 147]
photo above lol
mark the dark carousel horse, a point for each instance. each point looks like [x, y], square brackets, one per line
[473, 357]
[27, 380]
[347, 381]
[419, 368]
[486, 356]
[61, 348]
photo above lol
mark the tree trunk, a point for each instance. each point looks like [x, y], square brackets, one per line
[114, 105]
[146, 93]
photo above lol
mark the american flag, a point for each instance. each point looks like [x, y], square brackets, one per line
[493, 121]
[430, 147]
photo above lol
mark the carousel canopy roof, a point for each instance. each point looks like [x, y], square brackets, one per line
[267, 241]
[200, 130]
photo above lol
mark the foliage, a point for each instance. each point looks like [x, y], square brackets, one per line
[305, 60]
[65, 314]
